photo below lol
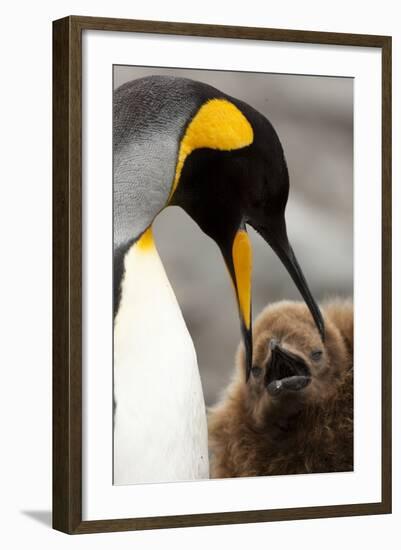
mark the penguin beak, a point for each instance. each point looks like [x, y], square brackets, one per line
[275, 234]
[285, 371]
[238, 259]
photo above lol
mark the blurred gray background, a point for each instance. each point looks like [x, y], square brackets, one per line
[313, 117]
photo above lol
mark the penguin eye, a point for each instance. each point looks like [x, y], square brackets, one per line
[316, 354]
[256, 371]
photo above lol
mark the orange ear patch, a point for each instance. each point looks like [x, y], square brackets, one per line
[218, 124]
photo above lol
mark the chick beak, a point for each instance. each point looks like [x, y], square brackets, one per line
[285, 371]
[238, 258]
[275, 234]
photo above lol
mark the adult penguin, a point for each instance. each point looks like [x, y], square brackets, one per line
[181, 142]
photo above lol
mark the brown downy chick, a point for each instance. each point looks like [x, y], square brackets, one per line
[295, 414]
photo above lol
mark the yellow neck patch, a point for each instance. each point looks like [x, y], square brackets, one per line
[218, 124]
[242, 259]
[146, 242]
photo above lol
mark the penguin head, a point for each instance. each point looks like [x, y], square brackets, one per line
[224, 191]
[292, 368]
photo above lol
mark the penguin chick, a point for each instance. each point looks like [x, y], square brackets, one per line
[295, 414]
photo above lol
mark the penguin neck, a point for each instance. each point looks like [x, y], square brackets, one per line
[157, 389]
[145, 288]
[146, 294]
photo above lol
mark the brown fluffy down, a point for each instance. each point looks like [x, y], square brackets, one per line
[252, 433]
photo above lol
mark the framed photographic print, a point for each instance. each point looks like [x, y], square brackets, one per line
[222, 274]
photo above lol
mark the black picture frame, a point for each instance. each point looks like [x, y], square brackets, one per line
[67, 274]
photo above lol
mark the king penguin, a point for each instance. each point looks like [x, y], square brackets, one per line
[295, 414]
[181, 142]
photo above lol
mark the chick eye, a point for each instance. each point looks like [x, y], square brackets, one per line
[316, 354]
[256, 371]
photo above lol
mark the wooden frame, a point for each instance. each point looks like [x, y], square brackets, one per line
[67, 224]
